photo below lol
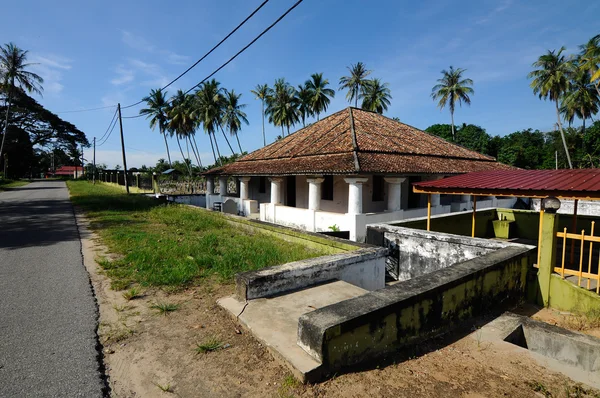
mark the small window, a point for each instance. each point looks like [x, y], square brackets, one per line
[327, 188]
[262, 184]
[377, 188]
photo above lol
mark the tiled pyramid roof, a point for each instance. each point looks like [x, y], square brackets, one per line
[354, 141]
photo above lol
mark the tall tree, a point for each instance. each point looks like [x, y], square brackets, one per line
[375, 96]
[355, 82]
[157, 113]
[13, 65]
[580, 99]
[282, 105]
[590, 60]
[304, 103]
[181, 122]
[233, 115]
[210, 103]
[452, 88]
[319, 93]
[551, 81]
[261, 92]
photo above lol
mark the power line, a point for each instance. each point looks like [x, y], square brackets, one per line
[207, 54]
[106, 132]
[114, 123]
[87, 110]
[236, 55]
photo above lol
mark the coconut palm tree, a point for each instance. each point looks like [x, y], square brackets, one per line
[181, 122]
[261, 92]
[210, 102]
[304, 97]
[282, 106]
[580, 99]
[13, 73]
[320, 94]
[233, 115]
[590, 60]
[157, 113]
[375, 96]
[452, 88]
[355, 82]
[551, 81]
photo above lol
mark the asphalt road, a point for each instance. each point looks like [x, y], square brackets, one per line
[48, 315]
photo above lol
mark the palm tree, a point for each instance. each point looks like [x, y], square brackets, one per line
[233, 115]
[304, 103]
[157, 113]
[590, 60]
[13, 74]
[261, 92]
[452, 88]
[210, 102]
[551, 81]
[355, 82]
[375, 96]
[317, 86]
[282, 105]
[181, 122]
[580, 99]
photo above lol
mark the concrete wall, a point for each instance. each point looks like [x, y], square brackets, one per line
[364, 268]
[414, 252]
[403, 314]
[584, 207]
[194, 200]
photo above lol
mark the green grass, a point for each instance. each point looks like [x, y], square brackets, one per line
[164, 308]
[132, 293]
[173, 245]
[7, 184]
[211, 344]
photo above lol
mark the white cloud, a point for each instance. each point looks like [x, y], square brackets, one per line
[50, 67]
[136, 42]
[124, 75]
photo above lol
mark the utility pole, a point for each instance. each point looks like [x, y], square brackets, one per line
[123, 148]
[94, 163]
[82, 162]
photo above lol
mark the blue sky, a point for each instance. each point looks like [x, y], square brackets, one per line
[93, 54]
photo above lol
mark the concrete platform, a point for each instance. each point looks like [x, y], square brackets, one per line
[274, 321]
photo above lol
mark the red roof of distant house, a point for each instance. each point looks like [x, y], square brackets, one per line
[576, 184]
[68, 170]
[354, 141]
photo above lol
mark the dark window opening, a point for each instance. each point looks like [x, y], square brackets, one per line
[377, 188]
[414, 199]
[327, 188]
[262, 184]
[291, 191]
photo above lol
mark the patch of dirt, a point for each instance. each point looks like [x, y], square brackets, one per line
[576, 322]
[146, 352]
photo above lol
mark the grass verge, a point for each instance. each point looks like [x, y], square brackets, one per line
[171, 245]
[8, 184]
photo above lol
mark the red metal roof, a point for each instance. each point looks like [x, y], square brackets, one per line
[577, 183]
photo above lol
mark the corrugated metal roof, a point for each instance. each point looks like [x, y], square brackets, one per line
[577, 183]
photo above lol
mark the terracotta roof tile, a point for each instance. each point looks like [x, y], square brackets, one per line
[383, 145]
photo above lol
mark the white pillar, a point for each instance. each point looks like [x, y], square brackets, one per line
[223, 186]
[210, 190]
[244, 187]
[314, 192]
[276, 190]
[394, 202]
[355, 189]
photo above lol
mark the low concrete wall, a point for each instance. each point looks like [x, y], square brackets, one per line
[408, 312]
[456, 223]
[193, 200]
[414, 252]
[364, 268]
[566, 296]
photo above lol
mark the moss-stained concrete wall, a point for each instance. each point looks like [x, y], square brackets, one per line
[456, 223]
[385, 320]
[566, 296]
[526, 222]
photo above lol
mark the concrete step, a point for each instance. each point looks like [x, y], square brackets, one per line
[274, 321]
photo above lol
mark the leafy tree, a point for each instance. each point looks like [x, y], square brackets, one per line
[181, 121]
[522, 149]
[319, 93]
[590, 60]
[233, 115]
[441, 130]
[13, 73]
[157, 113]
[452, 88]
[210, 105]
[355, 82]
[261, 92]
[551, 81]
[304, 98]
[282, 105]
[580, 99]
[473, 137]
[375, 96]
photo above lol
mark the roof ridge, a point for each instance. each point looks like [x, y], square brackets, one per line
[354, 142]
